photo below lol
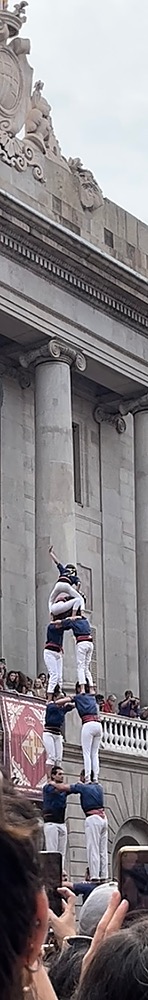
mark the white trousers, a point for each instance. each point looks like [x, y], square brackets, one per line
[91, 734]
[54, 747]
[54, 664]
[96, 834]
[56, 838]
[84, 651]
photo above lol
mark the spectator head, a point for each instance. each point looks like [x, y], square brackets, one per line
[29, 684]
[65, 971]
[57, 774]
[22, 893]
[37, 690]
[3, 668]
[100, 699]
[94, 908]
[129, 694]
[120, 968]
[57, 693]
[12, 679]
[112, 700]
[43, 679]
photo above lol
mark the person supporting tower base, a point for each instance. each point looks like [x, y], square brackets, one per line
[96, 826]
[54, 806]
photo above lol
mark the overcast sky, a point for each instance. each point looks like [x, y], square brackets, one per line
[93, 57]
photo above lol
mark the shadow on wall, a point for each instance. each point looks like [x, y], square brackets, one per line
[133, 832]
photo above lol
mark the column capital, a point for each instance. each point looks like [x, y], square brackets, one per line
[115, 419]
[55, 350]
[134, 405]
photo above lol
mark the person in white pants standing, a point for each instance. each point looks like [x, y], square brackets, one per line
[52, 732]
[53, 656]
[81, 629]
[54, 806]
[96, 826]
[91, 732]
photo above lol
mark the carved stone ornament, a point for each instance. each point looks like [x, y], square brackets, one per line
[56, 350]
[114, 419]
[15, 91]
[38, 123]
[90, 193]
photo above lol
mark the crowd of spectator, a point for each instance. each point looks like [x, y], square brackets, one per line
[18, 683]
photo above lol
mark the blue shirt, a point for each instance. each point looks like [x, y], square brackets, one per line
[86, 705]
[54, 636]
[64, 571]
[55, 715]
[128, 708]
[54, 804]
[80, 626]
[91, 796]
[84, 888]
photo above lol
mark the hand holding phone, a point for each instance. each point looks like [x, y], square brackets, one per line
[52, 876]
[133, 876]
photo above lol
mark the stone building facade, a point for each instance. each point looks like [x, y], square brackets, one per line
[74, 412]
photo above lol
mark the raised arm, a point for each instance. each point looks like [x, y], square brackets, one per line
[53, 555]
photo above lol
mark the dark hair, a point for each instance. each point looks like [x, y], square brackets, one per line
[119, 967]
[128, 694]
[56, 691]
[22, 681]
[55, 769]
[12, 684]
[65, 972]
[20, 880]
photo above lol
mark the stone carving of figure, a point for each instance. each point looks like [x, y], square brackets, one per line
[38, 123]
[91, 196]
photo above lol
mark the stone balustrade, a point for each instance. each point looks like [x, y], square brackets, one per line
[124, 735]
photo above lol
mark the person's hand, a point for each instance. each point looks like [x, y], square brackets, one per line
[64, 926]
[111, 922]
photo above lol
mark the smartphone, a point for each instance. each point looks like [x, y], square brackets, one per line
[52, 876]
[133, 876]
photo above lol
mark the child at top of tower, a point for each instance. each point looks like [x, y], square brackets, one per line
[67, 571]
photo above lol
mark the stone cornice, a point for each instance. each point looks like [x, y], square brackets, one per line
[60, 256]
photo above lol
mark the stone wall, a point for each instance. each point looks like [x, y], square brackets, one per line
[105, 534]
[18, 527]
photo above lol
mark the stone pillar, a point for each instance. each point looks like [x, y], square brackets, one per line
[141, 500]
[55, 507]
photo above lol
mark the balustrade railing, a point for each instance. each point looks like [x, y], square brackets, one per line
[124, 735]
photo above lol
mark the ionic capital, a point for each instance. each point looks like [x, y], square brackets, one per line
[56, 350]
[115, 419]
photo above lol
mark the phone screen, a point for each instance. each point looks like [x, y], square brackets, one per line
[133, 876]
[52, 875]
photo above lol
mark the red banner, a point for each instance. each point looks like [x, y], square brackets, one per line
[23, 754]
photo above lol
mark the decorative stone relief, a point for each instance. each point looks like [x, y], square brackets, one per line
[57, 350]
[38, 124]
[15, 91]
[115, 419]
[90, 193]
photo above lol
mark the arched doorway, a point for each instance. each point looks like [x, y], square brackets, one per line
[133, 832]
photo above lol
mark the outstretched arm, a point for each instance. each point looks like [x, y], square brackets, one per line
[53, 556]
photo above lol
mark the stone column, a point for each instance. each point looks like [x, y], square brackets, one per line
[141, 502]
[55, 505]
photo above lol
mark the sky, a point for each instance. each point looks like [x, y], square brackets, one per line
[93, 57]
